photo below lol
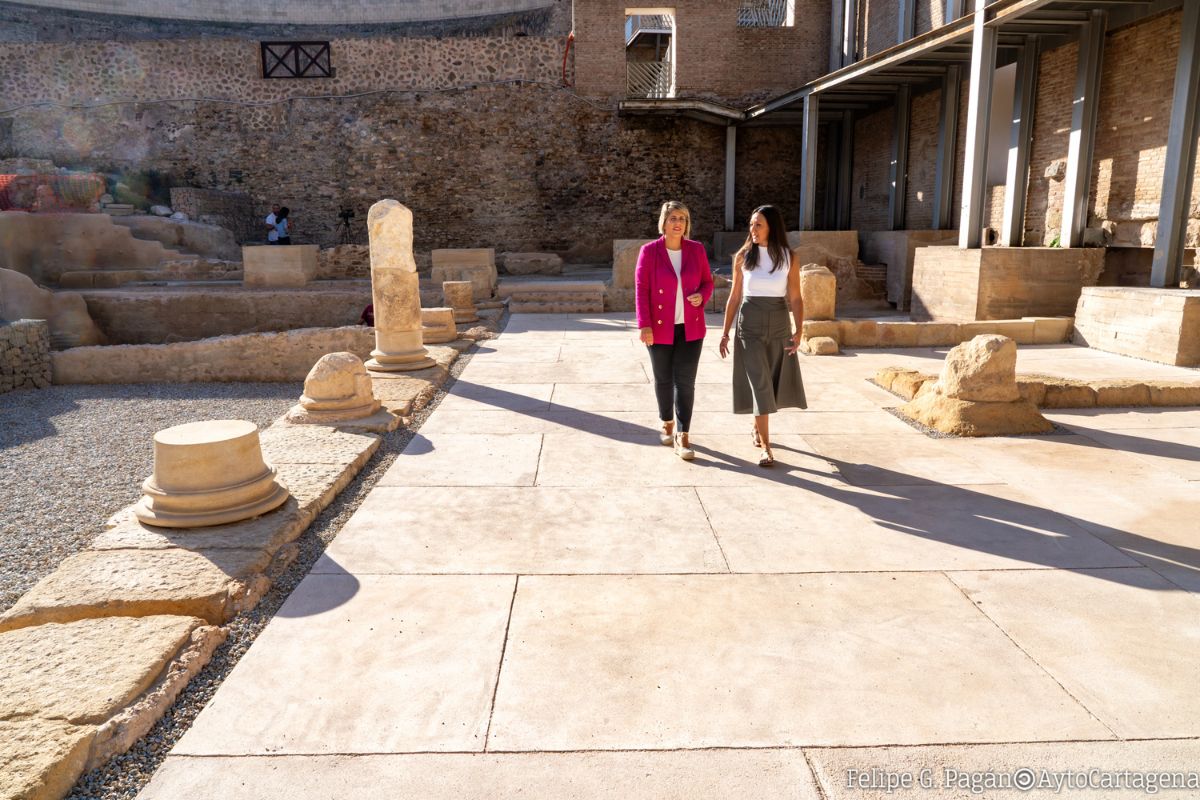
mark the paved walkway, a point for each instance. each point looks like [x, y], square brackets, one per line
[540, 600]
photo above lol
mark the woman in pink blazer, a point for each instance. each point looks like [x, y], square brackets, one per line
[672, 284]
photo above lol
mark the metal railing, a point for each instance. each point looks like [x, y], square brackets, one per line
[648, 79]
[766, 14]
[647, 23]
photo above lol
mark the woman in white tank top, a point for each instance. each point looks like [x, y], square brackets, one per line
[766, 369]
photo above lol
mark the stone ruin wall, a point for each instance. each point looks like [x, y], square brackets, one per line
[24, 355]
[234, 211]
[483, 160]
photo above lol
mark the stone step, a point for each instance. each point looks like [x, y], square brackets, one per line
[557, 307]
[509, 288]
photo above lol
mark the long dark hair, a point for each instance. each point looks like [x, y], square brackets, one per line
[777, 243]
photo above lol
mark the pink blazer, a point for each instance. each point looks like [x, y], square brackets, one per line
[654, 290]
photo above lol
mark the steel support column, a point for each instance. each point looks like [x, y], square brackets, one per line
[1180, 165]
[730, 165]
[947, 143]
[845, 170]
[908, 21]
[1016, 181]
[953, 10]
[808, 157]
[832, 134]
[849, 32]
[837, 34]
[898, 183]
[1085, 105]
[983, 73]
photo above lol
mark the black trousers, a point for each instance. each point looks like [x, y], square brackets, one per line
[675, 366]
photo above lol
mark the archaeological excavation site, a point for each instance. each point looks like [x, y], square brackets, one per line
[560, 398]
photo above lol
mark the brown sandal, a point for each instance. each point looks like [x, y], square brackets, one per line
[766, 459]
[757, 438]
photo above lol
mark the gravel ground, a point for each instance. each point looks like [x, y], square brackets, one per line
[124, 776]
[71, 456]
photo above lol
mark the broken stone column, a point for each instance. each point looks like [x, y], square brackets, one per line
[818, 289]
[208, 473]
[438, 325]
[395, 291]
[337, 389]
[457, 295]
[976, 393]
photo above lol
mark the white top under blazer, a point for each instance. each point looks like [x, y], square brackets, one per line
[761, 281]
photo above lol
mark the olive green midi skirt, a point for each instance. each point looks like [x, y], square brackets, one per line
[765, 378]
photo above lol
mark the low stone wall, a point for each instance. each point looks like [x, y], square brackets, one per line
[1046, 391]
[345, 261]
[955, 285]
[874, 333]
[1160, 325]
[179, 314]
[279, 357]
[24, 355]
[235, 211]
[897, 250]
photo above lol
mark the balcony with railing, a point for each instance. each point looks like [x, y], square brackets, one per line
[767, 14]
[649, 79]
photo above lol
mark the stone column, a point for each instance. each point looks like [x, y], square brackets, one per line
[458, 296]
[395, 291]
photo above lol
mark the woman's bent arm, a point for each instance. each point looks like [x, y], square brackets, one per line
[796, 302]
[731, 305]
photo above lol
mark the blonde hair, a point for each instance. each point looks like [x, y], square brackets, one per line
[665, 211]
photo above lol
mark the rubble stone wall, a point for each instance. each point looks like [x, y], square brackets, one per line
[24, 355]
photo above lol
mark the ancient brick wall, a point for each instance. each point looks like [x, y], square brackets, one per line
[1051, 130]
[922, 160]
[1136, 87]
[881, 25]
[872, 171]
[24, 355]
[475, 135]
[235, 211]
[714, 57]
[930, 14]
[115, 21]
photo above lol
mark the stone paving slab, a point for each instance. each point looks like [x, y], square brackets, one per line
[212, 585]
[603, 397]
[612, 460]
[84, 672]
[413, 669]
[1084, 419]
[601, 370]
[41, 758]
[1066, 462]
[898, 460]
[524, 530]
[964, 771]
[468, 396]
[682, 775]
[760, 661]
[316, 444]
[1124, 642]
[1170, 450]
[831, 529]
[643, 424]
[453, 459]
[267, 532]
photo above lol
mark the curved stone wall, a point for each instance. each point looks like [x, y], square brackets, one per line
[299, 12]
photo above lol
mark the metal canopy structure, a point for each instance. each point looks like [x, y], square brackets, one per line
[873, 82]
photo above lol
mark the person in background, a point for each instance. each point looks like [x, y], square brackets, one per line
[766, 369]
[270, 223]
[672, 282]
[283, 230]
